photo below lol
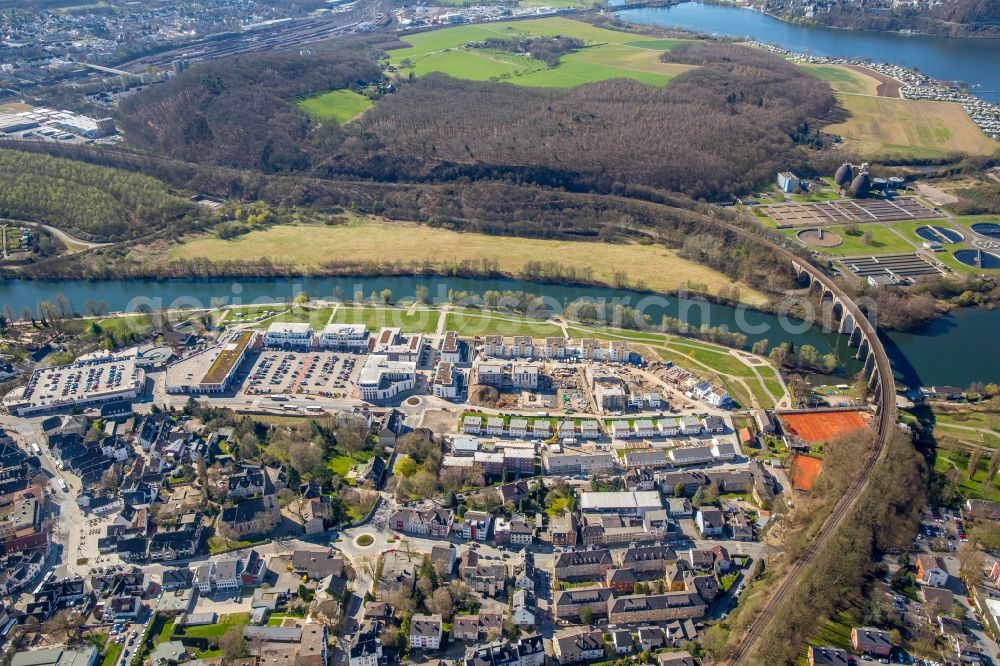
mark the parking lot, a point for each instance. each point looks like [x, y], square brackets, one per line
[327, 374]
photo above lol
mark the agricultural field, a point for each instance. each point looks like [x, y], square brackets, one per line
[883, 127]
[339, 105]
[654, 267]
[609, 54]
[843, 79]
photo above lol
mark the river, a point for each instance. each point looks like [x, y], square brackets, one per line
[926, 359]
[973, 61]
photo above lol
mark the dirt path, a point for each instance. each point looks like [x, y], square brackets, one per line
[888, 86]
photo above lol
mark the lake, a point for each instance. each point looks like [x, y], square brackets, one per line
[926, 359]
[973, 61]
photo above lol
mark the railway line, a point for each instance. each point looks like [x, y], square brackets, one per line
[886, 423]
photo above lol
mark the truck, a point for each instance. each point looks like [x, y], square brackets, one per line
[34, 449]
[62, 486]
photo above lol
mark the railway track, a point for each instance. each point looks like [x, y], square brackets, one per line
[886, 423]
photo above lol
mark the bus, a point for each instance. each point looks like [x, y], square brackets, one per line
[314, 409]
[279, 398]
[63, 487]
[290, 408]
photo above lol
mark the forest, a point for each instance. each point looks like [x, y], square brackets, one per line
[91, 202]
[713, 131]
[240, 111]
[721, 128]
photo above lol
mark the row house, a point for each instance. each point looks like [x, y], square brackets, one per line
[633, 609]
[581, 564]
[432, 522]
[177, 541]
[574, 464]
[646, 559]
[567, 604]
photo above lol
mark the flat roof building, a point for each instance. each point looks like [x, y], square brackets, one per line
[213, 370]
[635, 503]
[80, 384]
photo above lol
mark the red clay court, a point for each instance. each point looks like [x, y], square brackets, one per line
[803, 472]
[822, 426]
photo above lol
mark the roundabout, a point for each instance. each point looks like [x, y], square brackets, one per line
[364, 540]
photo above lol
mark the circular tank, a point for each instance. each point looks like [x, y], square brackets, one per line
[978, 258]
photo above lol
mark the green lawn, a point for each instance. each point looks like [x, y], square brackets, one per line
[883, 241]
[111, 654]
[341, 465]
[975, 488]
[224, 624]
[616, 334]
[218, 544]
[315, 317]
[608, 54]
[421, 320]
[339, 105]
[240, 315]
[556, 507]
[720, 361]
[498, 323]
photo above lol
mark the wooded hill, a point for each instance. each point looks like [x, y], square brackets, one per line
[721, 128]
[240, 111]
[88, 201]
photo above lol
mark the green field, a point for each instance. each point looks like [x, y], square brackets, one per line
[884, 241]
[421, 320]
[499, 324]
[608, 54]
[339, 105]
[843, 79]
[884, 127]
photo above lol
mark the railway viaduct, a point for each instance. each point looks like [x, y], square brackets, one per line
[861, 333]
